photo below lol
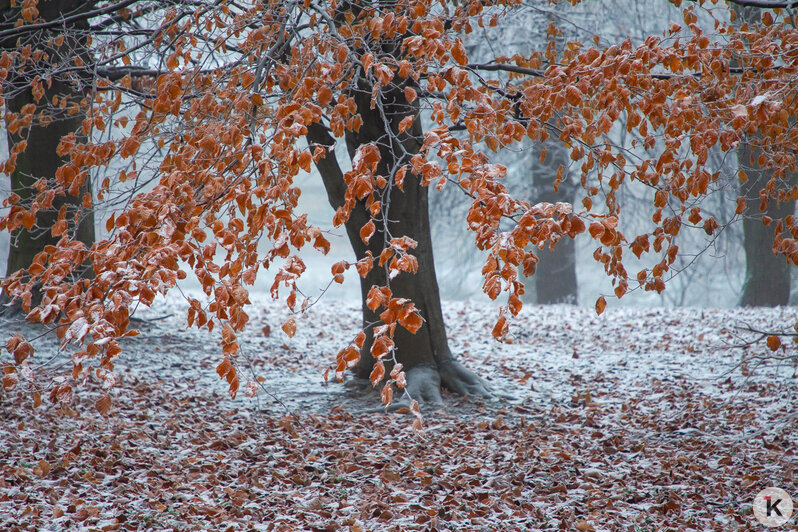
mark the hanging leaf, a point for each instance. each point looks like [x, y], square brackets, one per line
[367, 231]
[774, 342]
[377, 373]
[289, 327]
[103, 404]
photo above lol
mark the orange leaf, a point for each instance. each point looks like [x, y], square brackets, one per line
[59, 228]
[596, 229]
[339, 267]
[459, 53]
[251, 389]
[774, 342]
[500, 329]
[387, 394]
[23, 351]
[233, 389]
[367, 231]
[397, 369]
[289, 327]
[364, 266]
[514, 304]
[360, 339]
[224, 367]
[374, 298]
[399, 178]
[601, 304]
[740, 206]
[377, 373]
[381, 347]
[14, 341]
[577, 225]
[305, 158]
[103, 404]
[325, 95]
[406, 122]
[412, 322]
[351, 356]
[366, 60]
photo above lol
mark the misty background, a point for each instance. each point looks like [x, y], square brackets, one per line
[709, 271]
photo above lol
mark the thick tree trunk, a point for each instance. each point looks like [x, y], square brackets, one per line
[425, 355]
[767, 275]
[41, 160]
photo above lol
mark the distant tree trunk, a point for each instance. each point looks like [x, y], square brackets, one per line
[425, 355]
[40, 158]
[555, 276]
[767, 275]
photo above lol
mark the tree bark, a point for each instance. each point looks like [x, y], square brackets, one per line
[426, 357]
[555, 275]
[767, 275]
[40, 159]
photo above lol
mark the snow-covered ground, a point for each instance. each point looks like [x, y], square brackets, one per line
[638, 419]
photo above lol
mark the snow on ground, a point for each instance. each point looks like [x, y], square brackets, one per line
[639, 419]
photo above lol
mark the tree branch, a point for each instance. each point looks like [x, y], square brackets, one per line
[28, 28]
[764, 4]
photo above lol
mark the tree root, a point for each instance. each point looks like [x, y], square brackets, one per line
[424, 383]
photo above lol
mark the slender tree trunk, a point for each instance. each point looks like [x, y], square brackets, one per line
[555, 276]
[40, 159]
[425, 355]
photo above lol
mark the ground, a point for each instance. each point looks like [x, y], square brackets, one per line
[634, 420]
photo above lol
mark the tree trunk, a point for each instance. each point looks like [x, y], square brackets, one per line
[426, 357]
[555, 275]
[767, 275]
[40, 159]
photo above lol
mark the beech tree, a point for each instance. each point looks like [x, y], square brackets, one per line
[767, 275]
[38, 159]
[197, 116]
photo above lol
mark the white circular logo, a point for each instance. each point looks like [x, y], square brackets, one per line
[772, 507]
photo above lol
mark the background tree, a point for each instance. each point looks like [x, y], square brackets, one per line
[198, 121]
[555, 273]
[767, 275]
[35, 160]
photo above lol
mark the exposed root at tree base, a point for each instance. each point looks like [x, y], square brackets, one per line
[424, 384]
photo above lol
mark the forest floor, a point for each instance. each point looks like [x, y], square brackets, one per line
[639, 419]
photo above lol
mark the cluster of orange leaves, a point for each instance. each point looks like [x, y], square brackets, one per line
[232, 137]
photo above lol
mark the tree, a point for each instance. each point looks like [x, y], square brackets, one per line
[767, 275]
[555, 274]
[554, 277]
[213, 108]
[36, 159]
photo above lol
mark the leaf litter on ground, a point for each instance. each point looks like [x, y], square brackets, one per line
[638, 419]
